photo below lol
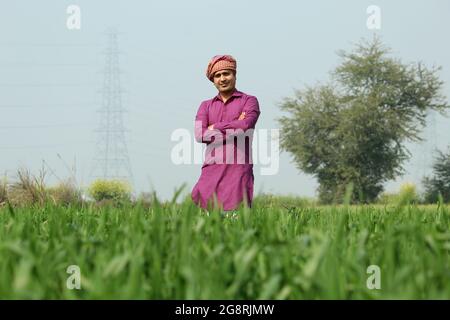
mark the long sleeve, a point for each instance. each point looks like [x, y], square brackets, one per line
[201, 131]
[252, 112]
[201, 124]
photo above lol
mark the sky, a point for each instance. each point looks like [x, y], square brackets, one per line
[51, 76]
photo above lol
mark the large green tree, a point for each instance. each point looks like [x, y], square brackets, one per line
[354, 128]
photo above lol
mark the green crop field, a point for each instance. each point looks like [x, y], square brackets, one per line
[176, 251]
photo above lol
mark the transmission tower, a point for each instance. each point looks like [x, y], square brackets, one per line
[111, 159]
[429, 146]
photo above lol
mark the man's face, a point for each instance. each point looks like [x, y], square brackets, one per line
[225, 80]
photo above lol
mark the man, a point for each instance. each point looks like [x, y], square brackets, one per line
[225, 123]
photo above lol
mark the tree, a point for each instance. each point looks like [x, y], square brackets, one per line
[439, 182]
[353, 129]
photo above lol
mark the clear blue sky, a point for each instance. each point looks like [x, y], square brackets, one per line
[50, 75]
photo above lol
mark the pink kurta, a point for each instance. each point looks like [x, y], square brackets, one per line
[227, 172]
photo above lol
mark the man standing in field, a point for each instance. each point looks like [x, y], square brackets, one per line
[225, 123]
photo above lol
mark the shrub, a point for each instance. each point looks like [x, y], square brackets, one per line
[145, 199]
[65, 193]
[116, 190]
[439, 182]
[286, 201]
[28, 189]
[408, 193]
[3, 190]
[388, 198]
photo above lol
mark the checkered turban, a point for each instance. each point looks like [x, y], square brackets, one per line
[220, 62]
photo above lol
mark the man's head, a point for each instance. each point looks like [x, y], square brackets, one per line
[222, 72]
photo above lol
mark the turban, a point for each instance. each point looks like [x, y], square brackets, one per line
[220, 62]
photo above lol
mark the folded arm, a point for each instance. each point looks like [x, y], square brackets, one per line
[251, 114]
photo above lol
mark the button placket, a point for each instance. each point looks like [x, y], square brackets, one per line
[221, 113]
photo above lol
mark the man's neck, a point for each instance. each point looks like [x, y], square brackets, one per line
[226, 95]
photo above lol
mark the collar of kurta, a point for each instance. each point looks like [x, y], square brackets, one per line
[236, 93]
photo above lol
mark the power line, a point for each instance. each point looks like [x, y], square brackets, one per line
[44, 146]
[45, 85]
[46, 65]
[46, 126]
[61, 45]
[47, 105]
